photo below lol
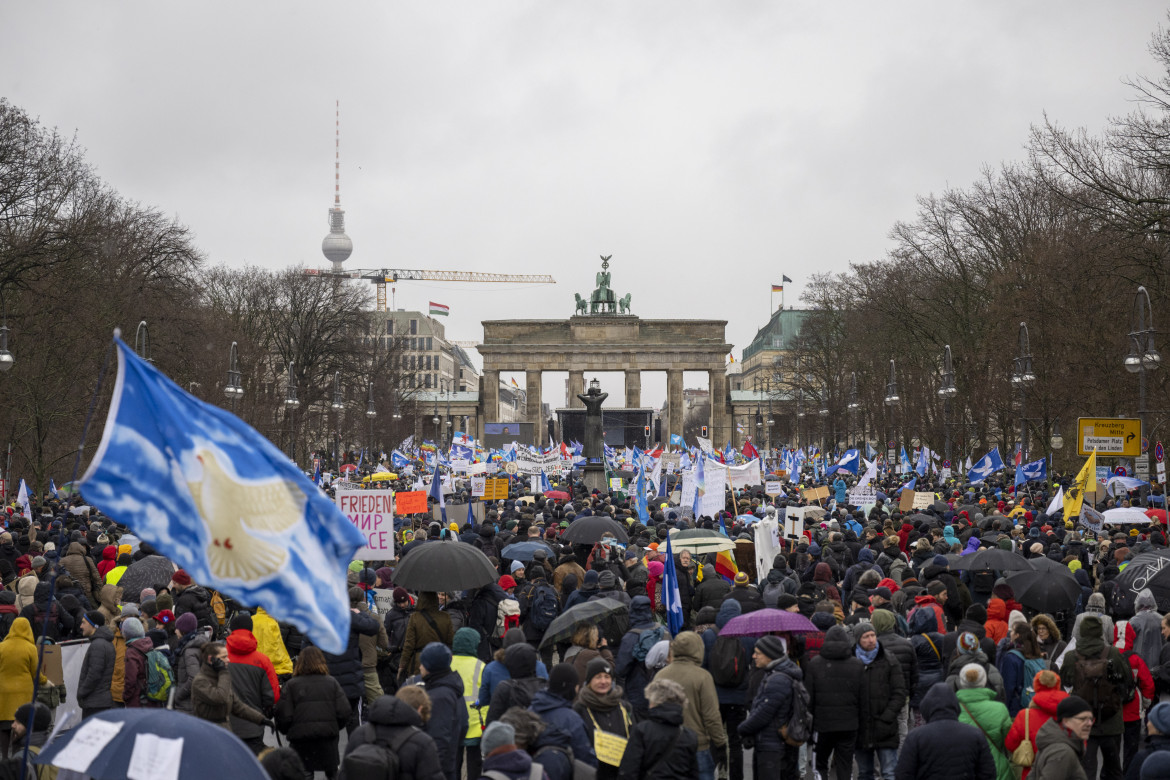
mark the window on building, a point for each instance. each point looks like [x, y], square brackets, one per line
[430, 343]
[389, 327]
[414, 327]
[427, 378]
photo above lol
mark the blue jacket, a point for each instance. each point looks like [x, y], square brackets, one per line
[772, 706]
[559, 718]
[495, 673]
[842, 494]
[631, 673]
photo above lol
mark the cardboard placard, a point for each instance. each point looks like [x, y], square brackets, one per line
[906, 501]
[410, 502]
[52, 665]
[922, 501]
[773, 488]
[816, 494]
[372, 513]
[478, 484]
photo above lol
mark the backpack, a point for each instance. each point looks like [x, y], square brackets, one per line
[545, 607]
[376, 760]
[728, 662]
[218, 608]
[647, 638]
[1032, 667]
[507, 616]
[579, 769]
[982, 581]
[159, 677]
[799, 728]
[1091, 681]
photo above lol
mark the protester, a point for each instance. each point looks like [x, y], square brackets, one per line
[980, 709]
[605, 714]
[661, 747]
[1046, 696]
[835, 683]
[771, 709]
[312, 710]
[211, 691]
[1060, 742]
[396, 722]
[701, 709]
[883, 697]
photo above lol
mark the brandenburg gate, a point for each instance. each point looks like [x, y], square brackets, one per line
[604, 336]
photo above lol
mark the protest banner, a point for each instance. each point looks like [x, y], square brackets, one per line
[478, 485]
[773, 487]
[372, 512]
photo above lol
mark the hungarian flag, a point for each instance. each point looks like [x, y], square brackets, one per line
[438, 308]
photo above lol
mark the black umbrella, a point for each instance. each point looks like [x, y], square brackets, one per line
[589, 530]
[993, 559]
[611, 614]
[1147, 570]
[153, 571]
[1044, 563]
[448, 566]
[1043, 592]
[939, 507]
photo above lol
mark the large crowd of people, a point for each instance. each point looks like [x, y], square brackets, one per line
[919, 666]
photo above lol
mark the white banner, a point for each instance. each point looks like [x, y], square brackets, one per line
[767, 538]
[687, 491]
[459, 465]
[478, 484]
[745, 475]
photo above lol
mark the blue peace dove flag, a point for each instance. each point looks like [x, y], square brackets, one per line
[398, 460]
[223, 502]
[640, 499]
[849, 462]
[985, 467]
[1035, 471]
[676, 440]
[670, 593]
[437, 494]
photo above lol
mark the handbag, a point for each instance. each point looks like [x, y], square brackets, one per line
[610, 747]
[991, 743]
[1025, 754]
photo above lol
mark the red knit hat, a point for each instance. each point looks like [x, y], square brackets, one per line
[166, 617]
[181, 578]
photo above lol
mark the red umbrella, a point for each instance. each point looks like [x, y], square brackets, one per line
[349, 467]
[555, 494]
[1156, 514]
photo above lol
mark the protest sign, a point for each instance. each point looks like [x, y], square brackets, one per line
[410, 502]
[372, 511]
[922, 500]
[816, 494]
[773, 487]
[478, 484]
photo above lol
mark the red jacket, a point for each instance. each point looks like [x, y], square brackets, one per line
[928, 601]
[108, 561]
[241, 647]
[1040, 711]
[1124, 637]
[996, 624]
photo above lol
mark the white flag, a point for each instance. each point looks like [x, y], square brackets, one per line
[1057, 502]
[22, 499]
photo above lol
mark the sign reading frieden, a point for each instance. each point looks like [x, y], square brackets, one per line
[372, 513]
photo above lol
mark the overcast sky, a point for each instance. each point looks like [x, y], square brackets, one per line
[708, 146]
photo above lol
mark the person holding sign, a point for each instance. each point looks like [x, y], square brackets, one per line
[607, 716]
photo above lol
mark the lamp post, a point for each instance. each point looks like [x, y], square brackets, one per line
[824, 413]
[892, 400]
[853, 405]
[1143, 355]
[800, 417]
[6, 358]
[290, 405]
[371, 413]
[1022, 377]
[947, 392]
[1056, 441]
[142, 342]
[233, 389]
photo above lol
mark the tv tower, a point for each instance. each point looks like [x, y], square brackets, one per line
[337, 247]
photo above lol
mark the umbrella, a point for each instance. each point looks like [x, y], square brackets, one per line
[610, 614]
[557, 494]
[200, 748]
[939, 507]
[1046, 564]
[445, 566]
[153, 571]
[1041, 591]
[348, 467]
[523, 551]
[767, 621]
[700, 540]
[993, 559]
[815, 511]
[1146, 570]
[1157, 515]
[1125, 514]
[589, 530]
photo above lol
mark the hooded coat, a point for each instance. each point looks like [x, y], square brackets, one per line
[711, 591]
[563, 726]
[388, 717]
[521, 685]
[18, 668]
[1090, 643]
[772, 706]
[884, 695]
[187, 662]
[943, 747]
[1144, 683]
[1148, 624]
[701, 712]
[347, 666]
[1058, 755]
[978, 707]
[1028, 721]
[83, 570]
[834, 680]
[312, 706]
[629, 672]
[97, 671]
[996, 625]
[448, 723]
[729, 609]
[253, 680]
[419, 633]
[649, 741]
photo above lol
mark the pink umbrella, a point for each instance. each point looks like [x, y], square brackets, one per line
[768, 621]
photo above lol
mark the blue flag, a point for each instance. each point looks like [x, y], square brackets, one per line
[700, 487]
[676, 440]
[317, 474]
[904, 466]
[848, 462]
[53, 488]
[640, 496]
[909, 485]
[437, 494]
[1036, 471]
[670, 593]
[470, 514]
[398, 460]
[545, 485]
[985, 467]
[220, 500]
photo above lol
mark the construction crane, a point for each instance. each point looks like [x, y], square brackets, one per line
[383, 276]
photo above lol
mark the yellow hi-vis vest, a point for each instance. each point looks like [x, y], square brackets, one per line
[470, 669]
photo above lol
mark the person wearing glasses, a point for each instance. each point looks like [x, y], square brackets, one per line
[1061, 742]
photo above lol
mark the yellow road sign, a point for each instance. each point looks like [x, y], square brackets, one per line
[1112, 437]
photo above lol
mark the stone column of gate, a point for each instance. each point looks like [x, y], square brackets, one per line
[717, 384]
[532, 411]
[674, 402]
[576, 387]
[489, 398]
[633, 388]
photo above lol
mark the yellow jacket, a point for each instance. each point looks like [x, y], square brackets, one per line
[18, 668]
[268, 641]
[115, 574]
[470, 669]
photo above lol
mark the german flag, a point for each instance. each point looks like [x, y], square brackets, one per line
[777, 288]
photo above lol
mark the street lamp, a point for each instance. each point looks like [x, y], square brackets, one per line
[824, 413]
[1143, 355]
[947, 392]
[853, 403]
[338, 403]
[1056, 441]
[1022, 377]
[233, 389]
[371, 413]
[142, 342]
[290, 404]
[6, 358]
[892, 400]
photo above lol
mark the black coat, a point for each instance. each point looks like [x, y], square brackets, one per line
[520, 687]
[650, 739]
[312, 706]
[834, 681]
[772, 706]
[903, 649]
[195, 598]
[97, 671]
[386, 719]
[944, 747]
[884, 696]
[346, 668]
[448, 723]
[710, 592]
[250, 684]
[748, 596]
